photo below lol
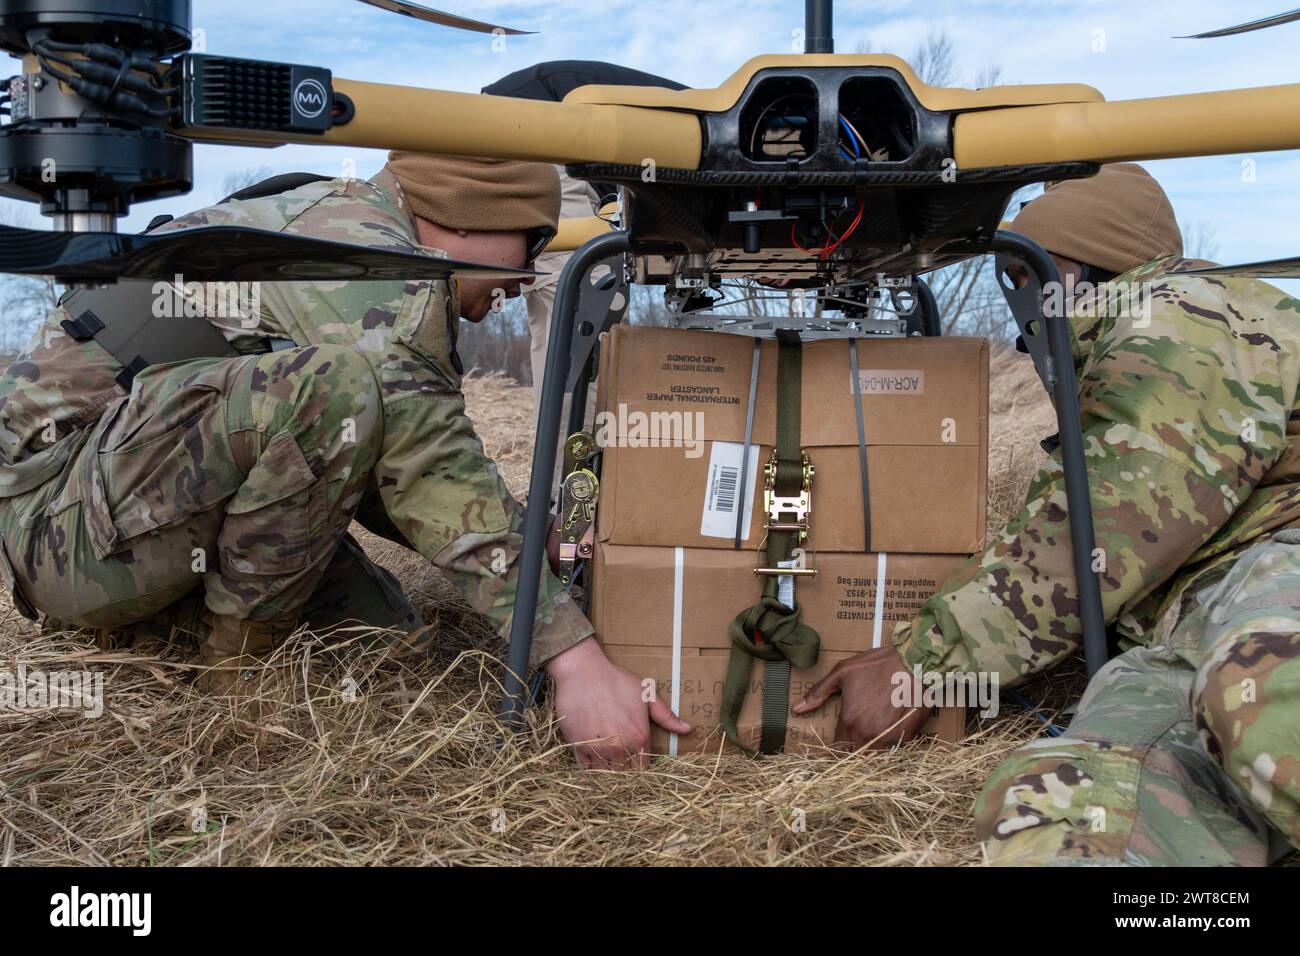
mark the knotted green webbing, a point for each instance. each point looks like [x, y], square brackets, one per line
[771, 631]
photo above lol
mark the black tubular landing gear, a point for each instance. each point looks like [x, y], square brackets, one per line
[1048, 341]
[570, 294]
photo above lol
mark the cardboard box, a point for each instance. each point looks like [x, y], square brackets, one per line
[639, 591]
[673, 407]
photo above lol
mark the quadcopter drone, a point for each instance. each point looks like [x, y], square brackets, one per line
[843, 174]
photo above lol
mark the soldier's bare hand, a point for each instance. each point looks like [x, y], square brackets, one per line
[868, 715]
[604, 710]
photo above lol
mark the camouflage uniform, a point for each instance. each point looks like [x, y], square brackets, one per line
[1184, 748]
[244, 473]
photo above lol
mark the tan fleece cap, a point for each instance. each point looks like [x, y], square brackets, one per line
[480, 195]
[1116, 220]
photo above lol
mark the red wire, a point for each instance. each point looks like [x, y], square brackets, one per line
[793, 226]
[825, 251]
[840, 241]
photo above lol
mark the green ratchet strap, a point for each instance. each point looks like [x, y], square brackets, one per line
[770, 631]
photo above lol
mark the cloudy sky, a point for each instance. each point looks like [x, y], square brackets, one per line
[701, 43]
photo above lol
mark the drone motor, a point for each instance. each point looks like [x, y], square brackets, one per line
[87, 131]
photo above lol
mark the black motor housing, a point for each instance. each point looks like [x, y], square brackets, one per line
[84, 162]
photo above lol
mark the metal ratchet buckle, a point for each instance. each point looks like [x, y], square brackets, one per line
[578, 495]
[800, 506]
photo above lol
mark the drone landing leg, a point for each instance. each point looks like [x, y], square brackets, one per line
[1048, 341]
[542, 481]
[931, 322]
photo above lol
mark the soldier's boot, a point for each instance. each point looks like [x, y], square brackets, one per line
[236, 652]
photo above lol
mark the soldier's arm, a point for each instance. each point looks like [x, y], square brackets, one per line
[478, 524]
[1182, 415]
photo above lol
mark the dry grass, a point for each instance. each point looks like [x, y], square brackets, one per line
[410, 769]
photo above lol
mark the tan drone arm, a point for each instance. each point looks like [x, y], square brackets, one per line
[575, 232]
[437, 121]
[1165, 127]
[471, 124]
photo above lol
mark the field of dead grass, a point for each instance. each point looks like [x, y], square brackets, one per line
[359, 756]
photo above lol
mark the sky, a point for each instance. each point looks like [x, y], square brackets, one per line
[1124, 49]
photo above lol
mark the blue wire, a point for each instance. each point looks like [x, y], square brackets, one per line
[1052, 730]
[852, 139]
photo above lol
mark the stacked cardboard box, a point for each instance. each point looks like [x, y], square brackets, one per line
[667, 577]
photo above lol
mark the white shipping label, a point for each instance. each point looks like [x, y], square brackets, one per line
[890, 381]
[722, 493]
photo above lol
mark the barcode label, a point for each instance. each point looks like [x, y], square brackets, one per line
[724, 489]
[722, 493]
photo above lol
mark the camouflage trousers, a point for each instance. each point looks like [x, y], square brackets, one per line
[1184, 752]
[239, 474]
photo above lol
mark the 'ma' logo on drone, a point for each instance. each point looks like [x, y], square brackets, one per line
[309, 98]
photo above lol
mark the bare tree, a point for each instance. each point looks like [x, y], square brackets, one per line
[499, 343]
[25, 301]
[1199, 240]
[934, 60]
[241, 180]
[970, 302]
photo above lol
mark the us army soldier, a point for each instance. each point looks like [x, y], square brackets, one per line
[262, 460]
[1183, 750]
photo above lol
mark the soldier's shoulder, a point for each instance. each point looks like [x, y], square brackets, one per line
[356, 211]
[329, 208]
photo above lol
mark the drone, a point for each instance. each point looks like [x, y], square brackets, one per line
[844, 174]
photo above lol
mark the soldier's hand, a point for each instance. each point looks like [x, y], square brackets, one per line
[603, 710]
[868, 715]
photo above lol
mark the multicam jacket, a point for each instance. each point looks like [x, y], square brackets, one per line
[1192, 436]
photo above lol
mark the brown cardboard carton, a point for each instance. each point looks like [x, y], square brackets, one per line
[673, 409]
[636, 598]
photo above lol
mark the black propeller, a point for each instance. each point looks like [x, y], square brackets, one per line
[1265, 269]
[219, 254]
[1263, 24]
[429, 15]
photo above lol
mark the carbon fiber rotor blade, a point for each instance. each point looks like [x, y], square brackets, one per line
[1263, 24]
[219, 254]
[1266, 269]
[429, 15]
